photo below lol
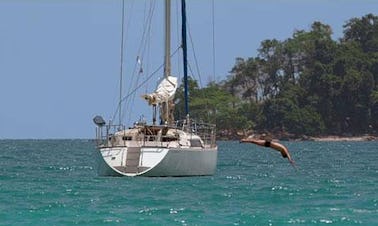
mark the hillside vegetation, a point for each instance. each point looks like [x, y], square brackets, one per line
[308, 84]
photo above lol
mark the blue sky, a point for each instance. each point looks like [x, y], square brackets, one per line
[60, 60]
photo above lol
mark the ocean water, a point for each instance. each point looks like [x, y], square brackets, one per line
[54, 182]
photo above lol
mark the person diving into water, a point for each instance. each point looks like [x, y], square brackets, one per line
[266, 141]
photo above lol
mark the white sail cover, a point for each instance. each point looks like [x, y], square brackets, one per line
[165, 91]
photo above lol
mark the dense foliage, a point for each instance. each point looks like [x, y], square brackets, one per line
[308, 84]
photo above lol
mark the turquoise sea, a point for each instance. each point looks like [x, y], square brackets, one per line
[54, 182]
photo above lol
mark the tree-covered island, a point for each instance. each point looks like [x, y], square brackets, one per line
[306, 85]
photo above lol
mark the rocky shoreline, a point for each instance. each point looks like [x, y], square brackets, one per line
[292, 137]
[348, 138]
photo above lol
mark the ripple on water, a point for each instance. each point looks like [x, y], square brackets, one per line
[54, 182]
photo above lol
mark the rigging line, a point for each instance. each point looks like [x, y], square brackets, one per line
[138, 53]
[121, 66]
[126, 17]
[191, 71]
[213, 23]
[144, 82]
[148, 60]
[147, 27]
[194, 56]
[146, 36]
[128, 21]
[141, 50]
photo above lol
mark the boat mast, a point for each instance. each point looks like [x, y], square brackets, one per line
[121, 66]
[167, 52]
[167, 61]
[185, 57]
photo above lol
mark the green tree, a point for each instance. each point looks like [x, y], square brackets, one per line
[363, 31]
[244, 79]
[307, 84]
[212, 104]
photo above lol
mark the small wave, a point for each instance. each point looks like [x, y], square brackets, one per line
[326, 221]
[364, 211]
[148, 211]
[175, 211]
[69, 168]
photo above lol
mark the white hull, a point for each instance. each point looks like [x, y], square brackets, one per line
[157, 162]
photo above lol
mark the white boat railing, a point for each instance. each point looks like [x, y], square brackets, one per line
[206, 131]
[117, 135]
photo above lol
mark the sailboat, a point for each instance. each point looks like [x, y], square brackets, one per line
[169, 148]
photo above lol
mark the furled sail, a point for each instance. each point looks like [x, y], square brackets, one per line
[164, 92]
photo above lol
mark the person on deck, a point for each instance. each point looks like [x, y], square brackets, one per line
[266, 141]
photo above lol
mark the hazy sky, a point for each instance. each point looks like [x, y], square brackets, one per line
[60, 59]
